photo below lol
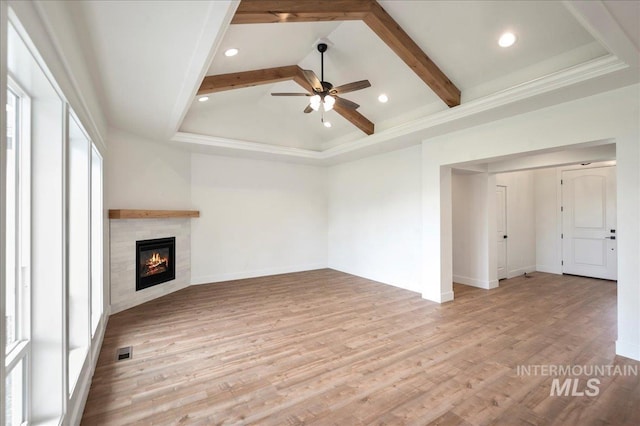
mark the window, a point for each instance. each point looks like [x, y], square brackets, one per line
[96, 239]
[53, 213]
[15, 395]
[79, 169]
[17, 253]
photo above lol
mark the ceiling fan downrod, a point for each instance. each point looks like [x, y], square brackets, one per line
[322, 47]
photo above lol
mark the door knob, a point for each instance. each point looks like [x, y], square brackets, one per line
[504, 236]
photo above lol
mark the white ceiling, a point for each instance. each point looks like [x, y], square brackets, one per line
[152, 55]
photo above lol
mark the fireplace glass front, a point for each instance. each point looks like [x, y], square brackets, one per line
[155, 262]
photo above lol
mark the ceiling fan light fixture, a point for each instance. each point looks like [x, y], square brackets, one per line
[329, 101]
[315, 102]
[383, 98]
[327, 124]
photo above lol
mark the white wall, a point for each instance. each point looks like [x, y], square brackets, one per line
[470, 213]
[145, 174]
[375, 221]
[608, 116]
[256, 218]
[521, 221]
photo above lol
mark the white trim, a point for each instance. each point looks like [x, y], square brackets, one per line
[559, 202]
[446, 297]
[473, 282]
[438, 298]
[550, 269]
[18, 352]
[554, 81]
[570, 76]
[81, 392]
[209, 279]
[4, 25]
[521, 271]
[236, 144]
[76, 94]
[204, 51]
[594, 16]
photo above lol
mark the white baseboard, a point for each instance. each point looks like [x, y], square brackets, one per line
[81, 391]
[415, 287]
[550, 269]
[446, 297]
[438, 297]
[628, 350]
[230, 276]
[521, 271]
[485, 284]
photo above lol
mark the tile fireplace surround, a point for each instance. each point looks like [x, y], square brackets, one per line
[125, 232]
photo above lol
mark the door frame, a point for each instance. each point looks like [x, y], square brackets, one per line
[559, 170]
[506, 227]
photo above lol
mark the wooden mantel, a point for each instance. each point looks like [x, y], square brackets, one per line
[152, 214]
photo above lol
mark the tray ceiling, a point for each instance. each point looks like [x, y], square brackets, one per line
[149, 59]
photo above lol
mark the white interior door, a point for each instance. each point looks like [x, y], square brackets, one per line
[501, 213]
[589, 223]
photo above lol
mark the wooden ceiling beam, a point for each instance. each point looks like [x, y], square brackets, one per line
[274, 11]
[399, 41]
[369, 11]
[237, 80]
[355, 118]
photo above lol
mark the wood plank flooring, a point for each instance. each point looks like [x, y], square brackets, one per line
[328, 348]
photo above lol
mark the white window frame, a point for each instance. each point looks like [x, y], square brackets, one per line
[20, 350]
[93, 317]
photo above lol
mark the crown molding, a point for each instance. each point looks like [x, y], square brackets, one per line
[240, 145]
[203, 53]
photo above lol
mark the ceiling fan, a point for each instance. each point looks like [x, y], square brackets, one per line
[324, 95]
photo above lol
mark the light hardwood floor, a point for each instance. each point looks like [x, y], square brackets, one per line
[327, 348]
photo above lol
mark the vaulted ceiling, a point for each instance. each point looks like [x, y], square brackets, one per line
[151, 59]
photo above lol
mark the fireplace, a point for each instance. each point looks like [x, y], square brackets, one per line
[155, 262]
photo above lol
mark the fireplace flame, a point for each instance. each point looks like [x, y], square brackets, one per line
[155, 264]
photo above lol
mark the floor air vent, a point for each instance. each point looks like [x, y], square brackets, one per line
[124, 353]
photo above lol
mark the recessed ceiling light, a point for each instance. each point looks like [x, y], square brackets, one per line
[203, 99]
[383, 98]
[327, 124]
[507, 39]
[231, 52]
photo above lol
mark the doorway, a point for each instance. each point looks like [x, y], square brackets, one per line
[589, 246]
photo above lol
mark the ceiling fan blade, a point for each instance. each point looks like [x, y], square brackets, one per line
[351, 87]
[308, 109]
[345, 103]
[313, 80]
[291, 94]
